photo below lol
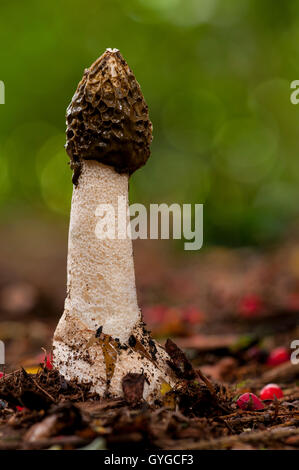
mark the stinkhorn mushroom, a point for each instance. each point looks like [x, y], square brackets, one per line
[101, 338]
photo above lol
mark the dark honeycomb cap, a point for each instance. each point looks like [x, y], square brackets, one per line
[107, 119]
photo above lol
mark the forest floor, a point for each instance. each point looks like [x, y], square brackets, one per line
[233, 312]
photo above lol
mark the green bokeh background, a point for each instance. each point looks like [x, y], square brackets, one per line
[216, 75]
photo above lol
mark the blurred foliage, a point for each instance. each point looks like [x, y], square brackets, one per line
[216, 75]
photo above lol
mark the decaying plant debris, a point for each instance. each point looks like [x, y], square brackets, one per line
[43, 411]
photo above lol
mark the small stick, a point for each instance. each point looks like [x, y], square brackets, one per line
[42, 390]
[207, 382]
[38, 386]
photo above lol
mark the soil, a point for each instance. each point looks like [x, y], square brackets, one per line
[41, 411]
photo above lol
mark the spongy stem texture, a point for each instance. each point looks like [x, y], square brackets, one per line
[100, 337]
[100, 272]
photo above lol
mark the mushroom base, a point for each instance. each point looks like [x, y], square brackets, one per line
[103, 362]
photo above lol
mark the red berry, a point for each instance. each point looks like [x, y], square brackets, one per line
[293, 301]
[192, 315]
[249, 402]
[278, 356]
[250, 306]
[155, 314]
[20, 408]
[48, 362]
[270, 391]
[1, 375]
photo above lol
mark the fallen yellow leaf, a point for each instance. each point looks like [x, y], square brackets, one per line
[32, 370]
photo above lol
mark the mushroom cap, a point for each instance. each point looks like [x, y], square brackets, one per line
[107, 119]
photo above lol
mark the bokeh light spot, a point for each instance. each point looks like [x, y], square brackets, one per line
[245, 149]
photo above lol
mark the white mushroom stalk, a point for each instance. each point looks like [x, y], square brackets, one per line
[101, 337]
